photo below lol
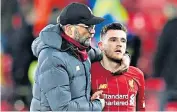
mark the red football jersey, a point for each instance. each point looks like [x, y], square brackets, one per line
[124, 92]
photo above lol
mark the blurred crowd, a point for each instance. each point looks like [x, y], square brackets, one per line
[149, 27]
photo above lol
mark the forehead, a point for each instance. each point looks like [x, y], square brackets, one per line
[116, 33]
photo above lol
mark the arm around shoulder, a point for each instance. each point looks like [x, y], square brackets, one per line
[95, 54]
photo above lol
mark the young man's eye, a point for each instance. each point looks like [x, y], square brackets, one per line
[113, 39]
[123, 40]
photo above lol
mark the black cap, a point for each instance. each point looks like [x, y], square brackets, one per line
[76, 13]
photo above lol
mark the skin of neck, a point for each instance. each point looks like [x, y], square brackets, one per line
[109, 64]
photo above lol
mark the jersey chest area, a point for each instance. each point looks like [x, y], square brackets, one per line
[115, 84]
[118, 91]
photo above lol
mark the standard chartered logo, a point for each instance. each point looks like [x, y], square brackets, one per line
[117, 103]
[118, 96]
[132, 100]
[115, 99]
[120, 99]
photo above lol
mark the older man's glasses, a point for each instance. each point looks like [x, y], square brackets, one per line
[89, 28]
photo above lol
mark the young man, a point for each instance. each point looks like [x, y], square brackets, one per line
[122, 92]
[62, 79]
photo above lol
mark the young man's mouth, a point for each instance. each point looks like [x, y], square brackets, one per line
[118, 51]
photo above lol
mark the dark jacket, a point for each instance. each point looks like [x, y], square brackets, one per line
[165, 63]
[62, 82]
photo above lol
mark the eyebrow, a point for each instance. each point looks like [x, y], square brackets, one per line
[117, 37]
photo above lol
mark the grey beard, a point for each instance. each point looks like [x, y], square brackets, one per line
[83, 41]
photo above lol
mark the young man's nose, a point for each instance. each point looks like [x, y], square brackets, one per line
[119, 44]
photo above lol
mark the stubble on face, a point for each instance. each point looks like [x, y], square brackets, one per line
[112, 49]
[109, 53]
[85, 41]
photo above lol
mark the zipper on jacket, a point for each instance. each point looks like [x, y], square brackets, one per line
[86, 80]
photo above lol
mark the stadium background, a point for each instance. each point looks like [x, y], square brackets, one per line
[21, 21]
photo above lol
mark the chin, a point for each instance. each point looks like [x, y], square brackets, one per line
[118, 57]
[86, 45]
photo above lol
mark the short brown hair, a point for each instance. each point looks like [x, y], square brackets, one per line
[112, 26]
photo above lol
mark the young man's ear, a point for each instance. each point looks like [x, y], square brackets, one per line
[100, 45]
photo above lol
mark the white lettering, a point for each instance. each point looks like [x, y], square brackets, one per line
[132, 100]
[106, 96]
[117, 103]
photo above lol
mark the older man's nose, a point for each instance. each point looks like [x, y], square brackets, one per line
[92, 31]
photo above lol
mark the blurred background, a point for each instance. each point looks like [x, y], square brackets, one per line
[22, 20]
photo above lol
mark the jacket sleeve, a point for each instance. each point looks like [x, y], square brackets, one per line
[141, 93]
[95, 54]
[54, 82]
